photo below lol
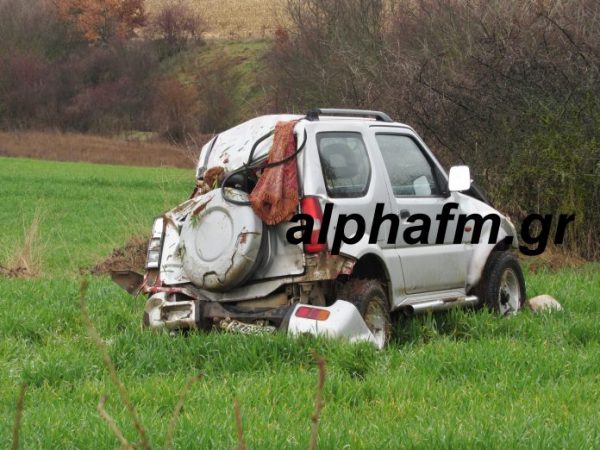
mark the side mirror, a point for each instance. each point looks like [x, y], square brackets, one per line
[459, 178]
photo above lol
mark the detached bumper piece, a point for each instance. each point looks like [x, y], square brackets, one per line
[339, 321]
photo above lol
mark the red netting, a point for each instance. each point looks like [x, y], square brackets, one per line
[275, 197]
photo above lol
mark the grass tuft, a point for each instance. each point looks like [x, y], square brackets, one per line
[26, 259]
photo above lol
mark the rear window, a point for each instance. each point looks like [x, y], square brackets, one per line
[345, 164]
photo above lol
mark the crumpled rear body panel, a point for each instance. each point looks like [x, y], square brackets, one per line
[232, 147]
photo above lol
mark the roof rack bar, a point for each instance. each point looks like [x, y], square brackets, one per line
[314, 114]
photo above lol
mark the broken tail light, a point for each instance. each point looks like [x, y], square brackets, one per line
[312, 207]
[306, 312]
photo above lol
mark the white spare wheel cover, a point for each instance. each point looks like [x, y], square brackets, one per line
[220, 241]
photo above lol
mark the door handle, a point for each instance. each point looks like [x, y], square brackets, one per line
[404, 213]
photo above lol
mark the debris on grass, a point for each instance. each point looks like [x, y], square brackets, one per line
[543, 303]
[131, 256]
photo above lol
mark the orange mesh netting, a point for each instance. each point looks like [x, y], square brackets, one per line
[275, 197]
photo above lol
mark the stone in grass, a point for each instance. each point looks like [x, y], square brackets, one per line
[543, 302]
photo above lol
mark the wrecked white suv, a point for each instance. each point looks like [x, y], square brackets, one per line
[378, 227]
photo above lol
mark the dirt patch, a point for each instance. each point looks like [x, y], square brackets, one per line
[131, 256]
[96, 149]
[15, 272]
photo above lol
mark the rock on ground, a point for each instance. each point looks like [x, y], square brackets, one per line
[543, 302]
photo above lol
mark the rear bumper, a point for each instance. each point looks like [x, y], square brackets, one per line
[204, 315]
[343, 321]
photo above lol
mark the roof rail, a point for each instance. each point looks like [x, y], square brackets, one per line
[313, 114]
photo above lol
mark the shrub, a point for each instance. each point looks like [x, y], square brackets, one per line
[32, 27]
[216, 102]
[102, 107]
[102, 21]
[105, 89]
[175, 107]
[329, 54]
[102, 89]
[24, 91]
[175, 25]
[510, 88]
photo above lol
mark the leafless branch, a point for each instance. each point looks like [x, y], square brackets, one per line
[567, 35]
[112, 371]
[18, 416]
[238, 425]
[177, 410]
[112, 424]
[319, 403]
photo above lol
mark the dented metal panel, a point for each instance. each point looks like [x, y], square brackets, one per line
[232, 147]
[171, 266]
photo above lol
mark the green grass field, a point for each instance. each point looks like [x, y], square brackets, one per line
[458, 380]
[85, 210]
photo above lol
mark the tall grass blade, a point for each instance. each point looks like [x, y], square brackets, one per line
[110, 366]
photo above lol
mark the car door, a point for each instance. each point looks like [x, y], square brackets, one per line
[430, 260]
[346, 174]
[347, 171]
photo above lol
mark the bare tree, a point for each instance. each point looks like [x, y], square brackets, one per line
[175, 25]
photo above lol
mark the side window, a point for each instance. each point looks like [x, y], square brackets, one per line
[410, 172]
[346, 167]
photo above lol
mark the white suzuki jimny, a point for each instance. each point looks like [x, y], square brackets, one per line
[380, 228]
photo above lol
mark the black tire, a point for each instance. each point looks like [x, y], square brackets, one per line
[502, 287]
[371, 300]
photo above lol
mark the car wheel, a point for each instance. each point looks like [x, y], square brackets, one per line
[503, 284]
[371, 300]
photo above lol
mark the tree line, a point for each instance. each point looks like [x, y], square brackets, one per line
[511, 88]
[94, 65]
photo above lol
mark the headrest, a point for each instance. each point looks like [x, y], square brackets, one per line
[340, 160]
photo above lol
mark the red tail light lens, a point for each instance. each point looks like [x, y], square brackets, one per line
[312, 207]
[307, 312]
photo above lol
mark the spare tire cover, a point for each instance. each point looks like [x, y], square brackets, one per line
[220, 242]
